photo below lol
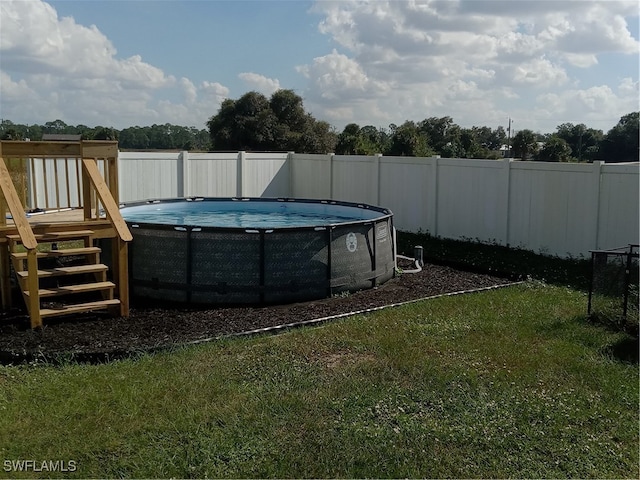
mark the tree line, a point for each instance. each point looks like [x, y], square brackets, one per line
[155, 137]
[254, 122]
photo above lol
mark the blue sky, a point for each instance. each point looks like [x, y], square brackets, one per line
[140, 62]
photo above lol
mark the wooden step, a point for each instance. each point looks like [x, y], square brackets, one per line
[58, 253]
[79, 308]
[60, 271]
[70, 289]
[56, 236]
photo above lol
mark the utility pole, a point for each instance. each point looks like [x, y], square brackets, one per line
[509, 138]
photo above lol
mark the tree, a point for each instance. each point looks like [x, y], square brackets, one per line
[621, 142]
[318, 137]
[254, 123]
[583, 141]
[525, 144]
[439, 132]
[57, 126]
[134, 138]
[10, 131]
[486, 142]
[348, 140]
[104, 133]
[407, 140]
[288, 109]
[555, 149]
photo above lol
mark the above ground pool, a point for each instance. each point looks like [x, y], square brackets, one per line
[256, 250]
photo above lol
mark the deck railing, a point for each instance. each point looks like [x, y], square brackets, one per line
[48, 175]
[36, 177]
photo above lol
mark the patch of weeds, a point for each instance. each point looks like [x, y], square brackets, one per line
[344, 294]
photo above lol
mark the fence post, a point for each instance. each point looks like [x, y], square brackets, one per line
[184, 175]
[290, 162]
[240, 174]
[596, 175]
[376, 178]
[432, 188]
[180, 175]
[331, 155]
[506, 199]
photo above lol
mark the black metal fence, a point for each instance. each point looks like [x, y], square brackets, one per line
[613, 295]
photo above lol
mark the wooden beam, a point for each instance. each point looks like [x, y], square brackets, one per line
[40, 149]
[3, 204]
[3, 211]
[99, 149]
[5, 277]
[112, 168]
[109, 204]
[33, 302]
[122, 272]
[86, 195]
[16, 208]
[102, 228]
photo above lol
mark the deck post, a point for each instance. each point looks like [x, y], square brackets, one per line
[5, 276]
[33, 286]
[3, 203]
[120, 271]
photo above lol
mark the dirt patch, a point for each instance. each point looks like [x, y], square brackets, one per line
[150, 327]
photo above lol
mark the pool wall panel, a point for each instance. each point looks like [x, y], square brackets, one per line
[222, 265]
[295, 265]
[159, 263]
[225, 267]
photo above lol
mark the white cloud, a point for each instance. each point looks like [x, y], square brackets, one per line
[14, 90]
[189, 90]
[598, 107]
[479, 59]
[539, 73]
[580, 60]
[260, 83]
[33, 39]
[73, 72]
[338, 77]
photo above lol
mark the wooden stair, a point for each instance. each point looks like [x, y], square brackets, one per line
[87, 278]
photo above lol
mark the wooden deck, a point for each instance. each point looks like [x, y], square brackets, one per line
[66, 185]
[59, 221]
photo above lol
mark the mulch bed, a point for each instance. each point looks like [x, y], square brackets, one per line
[97, 338]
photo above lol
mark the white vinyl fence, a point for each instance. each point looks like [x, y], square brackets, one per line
[563, 209]
[144, 176]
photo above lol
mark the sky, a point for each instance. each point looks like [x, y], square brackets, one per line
[142, 62]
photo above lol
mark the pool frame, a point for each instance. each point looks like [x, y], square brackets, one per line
[234, 265]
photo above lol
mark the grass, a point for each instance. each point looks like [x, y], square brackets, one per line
[505, 383]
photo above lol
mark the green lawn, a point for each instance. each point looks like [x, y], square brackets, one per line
[505, 383]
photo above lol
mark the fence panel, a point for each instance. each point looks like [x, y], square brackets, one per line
[471, 200]
[354, 178]
[266, 175]
[211, 174]
[619, 206]
[311, 176]
[407, 189]
[553, 207]
[147, 175]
